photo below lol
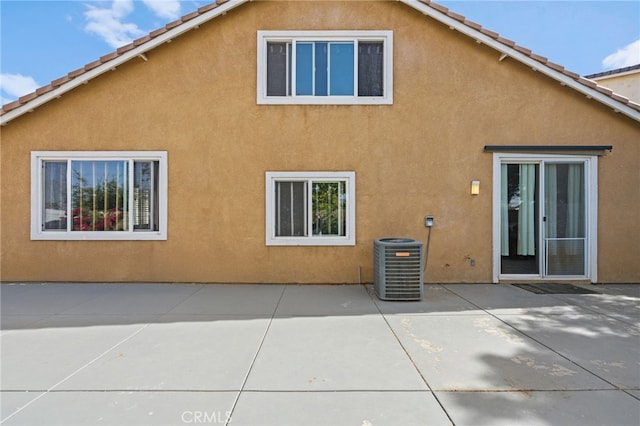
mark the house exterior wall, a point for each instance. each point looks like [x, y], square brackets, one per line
[196, 99]
[624, 84]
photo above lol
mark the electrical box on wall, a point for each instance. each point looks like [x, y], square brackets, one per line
[428, 221]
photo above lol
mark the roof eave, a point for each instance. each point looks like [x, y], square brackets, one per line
[562, 78]
[137, 51]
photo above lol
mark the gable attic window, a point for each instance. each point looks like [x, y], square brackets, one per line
[102, 195]
[325, 67]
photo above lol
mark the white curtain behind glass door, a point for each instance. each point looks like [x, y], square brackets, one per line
[526, 214]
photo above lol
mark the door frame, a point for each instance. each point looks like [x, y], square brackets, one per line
[591, 207]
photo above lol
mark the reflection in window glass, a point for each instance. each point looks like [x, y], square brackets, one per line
[99, 195]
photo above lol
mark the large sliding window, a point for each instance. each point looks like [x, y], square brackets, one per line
[314, 208]
[325, 67]
[98, 195]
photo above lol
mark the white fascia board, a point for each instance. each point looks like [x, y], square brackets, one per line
[525, 59]
[113, 64]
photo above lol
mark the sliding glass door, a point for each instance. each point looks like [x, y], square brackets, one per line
[543, 217]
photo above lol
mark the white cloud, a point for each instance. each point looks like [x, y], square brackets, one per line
[625, 57]
[169, 9]
[16, 85]
[108, 23]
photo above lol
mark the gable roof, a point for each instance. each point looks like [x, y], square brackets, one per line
[138, 48]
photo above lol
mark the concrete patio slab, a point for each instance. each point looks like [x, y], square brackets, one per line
[12, 402]
[437, 300]
[126, 408]
[39, 359]
[620, 306]
[332, 353]
[566, 408]
[243, 299]
[605, 346]
[323, 300]
[483, 353]
[46, 299]
[212, 353]
[126, 299]
[506, 298]
[316, 355]
[338, 408]
[19, 322]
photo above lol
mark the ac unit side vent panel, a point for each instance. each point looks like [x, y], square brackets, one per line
[398, 273]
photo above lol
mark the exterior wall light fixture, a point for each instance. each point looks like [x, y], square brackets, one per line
[475, 187]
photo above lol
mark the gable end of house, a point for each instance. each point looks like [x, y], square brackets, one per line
[138, 48]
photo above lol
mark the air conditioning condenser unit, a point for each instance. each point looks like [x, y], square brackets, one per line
[398, 272]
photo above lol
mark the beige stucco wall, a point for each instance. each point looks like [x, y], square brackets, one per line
[196, 98]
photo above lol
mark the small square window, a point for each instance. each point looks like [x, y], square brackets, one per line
[314, 208]
[325, 67]
[98, 195]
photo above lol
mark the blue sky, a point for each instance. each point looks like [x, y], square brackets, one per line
[43, 40]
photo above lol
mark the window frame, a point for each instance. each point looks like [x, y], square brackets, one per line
[333, 37]
[37, 195]
[349, 239]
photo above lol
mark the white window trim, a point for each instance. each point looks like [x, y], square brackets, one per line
[37, 157]
[348, 240]
[591, 194]
[385, 36]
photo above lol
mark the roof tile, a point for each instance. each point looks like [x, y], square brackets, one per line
[27, 98]
[472, 24]
[506, 41]
[207, 8]
[522, 49]
[490, 33]
[92, 65]
[156, 33]
[604, 90]
[108, 57]
[190, 16]
[634, 105]
[555, 66]
[44, 89]
[141, 40]
[60, 81]
[571, 74]
[439, 7]
[619, 97]
[456, 16]
[587, 82]
[173, 24]
[75, 73]
[539, 58]
[125, 48]
[11, 105]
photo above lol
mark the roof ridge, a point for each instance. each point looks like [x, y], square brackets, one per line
[461, 19]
